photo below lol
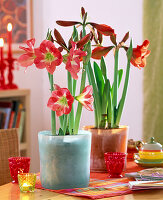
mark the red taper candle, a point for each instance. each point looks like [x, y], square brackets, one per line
[9, 40]
[1, 49]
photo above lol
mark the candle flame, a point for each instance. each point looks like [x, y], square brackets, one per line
[1, 42]
[25, 184]
[9, 27]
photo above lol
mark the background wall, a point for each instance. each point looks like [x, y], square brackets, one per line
[123, 16]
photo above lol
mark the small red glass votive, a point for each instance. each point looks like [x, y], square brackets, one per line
[115, 162]
[18, 165]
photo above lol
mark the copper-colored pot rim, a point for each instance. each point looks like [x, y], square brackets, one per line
[93, 127]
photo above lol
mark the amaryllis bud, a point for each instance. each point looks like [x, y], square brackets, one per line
[83, 41]
[98, 52]
[99, 37]
[67, 23]
[59, 38]
[125, 38]
[91, 36]
[69, 43]
[113, 39]
[103, 28]
[60, 49]
[82, 12]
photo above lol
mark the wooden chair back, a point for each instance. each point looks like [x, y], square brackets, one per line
[9, 147]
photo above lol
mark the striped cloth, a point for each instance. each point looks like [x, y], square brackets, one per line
[100, 186]
[97, 188]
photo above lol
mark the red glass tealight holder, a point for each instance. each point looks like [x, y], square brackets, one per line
[115, 162]
[18, 165]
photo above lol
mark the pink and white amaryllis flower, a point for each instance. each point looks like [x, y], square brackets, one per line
[61, 101]
[47, 55]
[86, 98]
[27, 59]
[73, 60]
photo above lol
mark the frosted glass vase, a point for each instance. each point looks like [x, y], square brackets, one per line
[64, 160]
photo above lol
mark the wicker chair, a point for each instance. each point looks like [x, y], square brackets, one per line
[9, 147]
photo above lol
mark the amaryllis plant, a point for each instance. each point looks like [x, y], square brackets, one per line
[107, 109]
[52, 54]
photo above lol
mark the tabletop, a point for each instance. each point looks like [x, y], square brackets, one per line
[11, 192]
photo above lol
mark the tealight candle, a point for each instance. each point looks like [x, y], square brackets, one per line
[27, 182]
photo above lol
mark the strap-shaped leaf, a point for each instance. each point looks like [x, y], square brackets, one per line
[105, 96]
[61, 131]
[120, 74]
[99, 79]
[115, 83]
[75, 34]
[109, 108]
[95, 91]
[103, 67]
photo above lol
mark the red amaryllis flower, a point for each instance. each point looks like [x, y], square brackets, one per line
[98, 52]
[47, 55]
[61, 101]
[139, 54]
[86, 98]
[73, 60]
[27, 59]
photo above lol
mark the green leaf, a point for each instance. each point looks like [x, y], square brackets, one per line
[61, 131]
[75, 35]
[110, 108]
[87, 48]
[120, 74]
[99, 79]
[105, 96]
[129, 52]
[103, 67]
[92, 82]
[115, 83]
[122, 101]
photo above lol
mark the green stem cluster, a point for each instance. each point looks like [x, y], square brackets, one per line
[108, 110]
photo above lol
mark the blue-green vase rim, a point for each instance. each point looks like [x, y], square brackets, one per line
[48, 133]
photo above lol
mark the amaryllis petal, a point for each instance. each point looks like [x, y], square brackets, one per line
[139, 55]
[103, 28]
[98, 52]
[61, 101]
[31, 43]
[66, 23]
[73, 60]
[86, 98]
[27, 59]
[48, 56]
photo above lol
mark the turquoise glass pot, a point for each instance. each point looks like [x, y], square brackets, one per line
[64, 160]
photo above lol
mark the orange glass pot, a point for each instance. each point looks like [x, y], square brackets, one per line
[106, 140]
